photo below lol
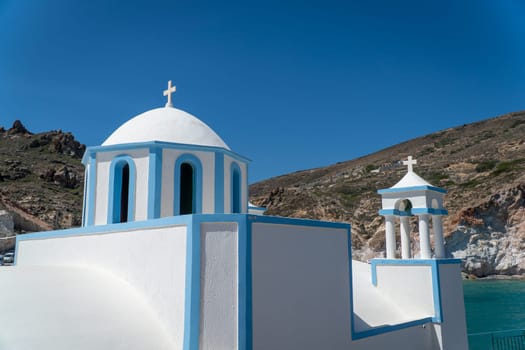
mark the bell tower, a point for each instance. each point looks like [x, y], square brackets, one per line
[413, 196]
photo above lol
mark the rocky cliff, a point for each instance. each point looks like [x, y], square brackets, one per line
[41, 179]
[482, 165]
[490, 237]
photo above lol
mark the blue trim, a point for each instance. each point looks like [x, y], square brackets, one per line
[294, 221]
[172, 145]
[387, 329]
[245, 192]
[412, 188]
[154, 182]
[197, 183]
[430, 211]
[395, 212]
[351, 285]
[108, 228]
[84, 196]
[413, 211]
[254, 207]
[248, 295]
[244, 255]
[160, 222]
[15, 258]
[219, 182]
[193, 288]
[436, 282]
[235, 188]
[92, 189]
[115, 186]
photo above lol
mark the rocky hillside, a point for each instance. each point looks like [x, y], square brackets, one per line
[482, 165]
[41, 179]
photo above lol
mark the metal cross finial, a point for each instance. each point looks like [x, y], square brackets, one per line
[410, 162]
[168, 92]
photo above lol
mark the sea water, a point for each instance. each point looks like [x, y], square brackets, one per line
[493, 306]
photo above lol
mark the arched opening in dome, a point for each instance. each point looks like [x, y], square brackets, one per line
[187, 189]
[122, 182]
[236, 188]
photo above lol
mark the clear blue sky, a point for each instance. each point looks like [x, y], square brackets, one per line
[289, 84]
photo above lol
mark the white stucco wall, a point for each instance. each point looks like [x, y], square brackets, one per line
[373, 307]
[219, 295]
[141, 159]
[376, 307]
[153, 261]
[300, 282]
[169, 157]
[409, 287]
[80, 308]
[453, 332]
[421, 337]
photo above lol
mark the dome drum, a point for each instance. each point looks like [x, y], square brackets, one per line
[162, 163]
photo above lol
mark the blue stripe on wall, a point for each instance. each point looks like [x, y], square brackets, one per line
[219, 182]
[246, 274]
[91, 197]
[193, 288]
[154, 182]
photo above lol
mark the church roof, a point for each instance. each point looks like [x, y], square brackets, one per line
[166, 124]
[411, 179]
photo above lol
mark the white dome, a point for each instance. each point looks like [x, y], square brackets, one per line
[166, 124]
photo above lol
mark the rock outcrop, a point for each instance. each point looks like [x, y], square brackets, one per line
[490, 237]
[59, 142]
[41, 178]
[18, 128]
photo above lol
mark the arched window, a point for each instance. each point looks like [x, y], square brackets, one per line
[236, 189]
[188, 185]
[122, 190]
[187, 189]
[124, 194]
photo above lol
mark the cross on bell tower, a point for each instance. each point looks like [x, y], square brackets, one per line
[171, 89]
[410, 163]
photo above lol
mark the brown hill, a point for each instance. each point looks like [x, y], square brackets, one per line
[41, 178]
[475, 163]
[481, 165]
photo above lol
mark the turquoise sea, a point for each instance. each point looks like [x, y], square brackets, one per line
[493, 306]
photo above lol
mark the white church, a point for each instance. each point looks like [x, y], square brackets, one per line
[171, 255]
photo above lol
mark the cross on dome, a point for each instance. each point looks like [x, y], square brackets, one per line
[410, 163]
[171, 89]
